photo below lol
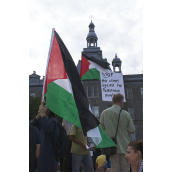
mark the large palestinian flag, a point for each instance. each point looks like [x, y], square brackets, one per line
[65, 95]
[91, 68]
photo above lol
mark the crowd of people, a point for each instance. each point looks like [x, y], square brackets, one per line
[44, 134]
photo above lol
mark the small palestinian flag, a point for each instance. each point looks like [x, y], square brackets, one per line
[65, 95]
[91, 68]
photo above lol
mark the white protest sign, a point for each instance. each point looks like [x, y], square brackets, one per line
[111, 83]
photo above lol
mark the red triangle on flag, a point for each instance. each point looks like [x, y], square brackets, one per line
[84, 66]
[55, 68]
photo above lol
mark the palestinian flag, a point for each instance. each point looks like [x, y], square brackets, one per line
[65, 95]
[91, 68]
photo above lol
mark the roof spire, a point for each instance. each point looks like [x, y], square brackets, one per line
[91, 17]
[116, 63]
[91, 37]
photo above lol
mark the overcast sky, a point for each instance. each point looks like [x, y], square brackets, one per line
[118, 25]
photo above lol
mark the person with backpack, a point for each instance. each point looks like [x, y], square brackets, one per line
[49, 136]
[34, 147]
[109, 120]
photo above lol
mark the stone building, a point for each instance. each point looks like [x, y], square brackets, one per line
[35, 85]
[133, 85]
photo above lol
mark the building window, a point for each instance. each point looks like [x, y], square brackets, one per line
[92, 91]
[95, 91]
[95, 110]
[131, 112]
[89, 91]
[32, 94]
[133, 137]
[116, 69]
[129, 93]
[141, 91]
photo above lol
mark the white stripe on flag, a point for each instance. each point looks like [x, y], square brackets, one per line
[94, 133]
[64, 83]
[98, 67]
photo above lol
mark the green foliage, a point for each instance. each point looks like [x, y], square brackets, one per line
[34, 103]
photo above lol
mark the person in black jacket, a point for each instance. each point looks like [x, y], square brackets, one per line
[34, 147]
[49, 132]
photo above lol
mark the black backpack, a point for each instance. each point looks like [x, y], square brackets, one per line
[32, 150]
[61, 147]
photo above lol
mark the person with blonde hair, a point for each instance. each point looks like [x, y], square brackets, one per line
[103, 164]
[135, 155]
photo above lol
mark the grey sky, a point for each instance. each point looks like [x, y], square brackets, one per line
[118, 25]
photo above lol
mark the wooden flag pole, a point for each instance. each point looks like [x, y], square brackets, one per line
[42, 102]
[41, 108]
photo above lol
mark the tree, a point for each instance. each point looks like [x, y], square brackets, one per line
[34, 103]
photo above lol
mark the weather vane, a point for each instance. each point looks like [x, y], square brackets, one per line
[91, 17]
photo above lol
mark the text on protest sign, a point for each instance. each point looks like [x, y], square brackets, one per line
[111, 83]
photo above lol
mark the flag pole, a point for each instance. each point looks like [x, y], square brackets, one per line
[42, 101]
[51, 41]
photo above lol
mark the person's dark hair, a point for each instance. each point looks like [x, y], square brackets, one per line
[137, 146]
[117, 98]
[49, 113]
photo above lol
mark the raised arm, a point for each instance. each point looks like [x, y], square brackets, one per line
[48, 124]
[35, 122]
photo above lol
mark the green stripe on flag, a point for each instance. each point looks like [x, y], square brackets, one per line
[106, 140]
[91, 74]
[62, 103]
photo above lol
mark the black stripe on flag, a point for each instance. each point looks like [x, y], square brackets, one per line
[103, 64]
[87, 119]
